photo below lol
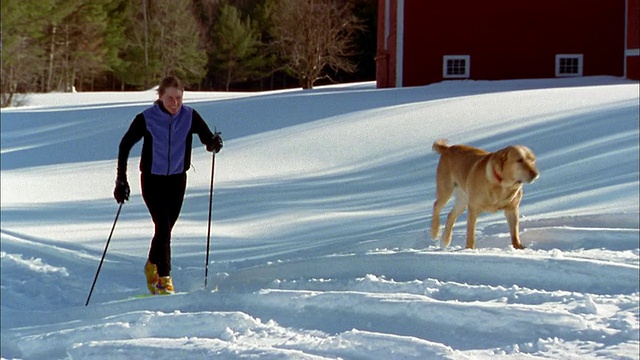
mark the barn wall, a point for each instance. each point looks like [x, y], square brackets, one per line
[386, 44]
[633, 40]
[509, 39]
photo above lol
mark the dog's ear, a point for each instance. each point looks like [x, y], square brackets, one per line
[501, 158]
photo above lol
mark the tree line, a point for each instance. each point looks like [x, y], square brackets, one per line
[99, 45]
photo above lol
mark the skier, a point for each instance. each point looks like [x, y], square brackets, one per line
[167, 128]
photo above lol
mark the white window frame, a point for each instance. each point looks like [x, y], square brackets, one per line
[467, 67]
[560, 57]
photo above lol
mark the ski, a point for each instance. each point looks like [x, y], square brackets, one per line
[143, 296]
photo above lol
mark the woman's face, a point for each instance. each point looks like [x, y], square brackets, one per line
[172, 100]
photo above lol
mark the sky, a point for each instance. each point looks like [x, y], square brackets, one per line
[319, 241]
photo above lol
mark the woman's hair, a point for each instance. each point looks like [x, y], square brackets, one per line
[170, 81]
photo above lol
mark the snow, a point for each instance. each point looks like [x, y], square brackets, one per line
[319, 246]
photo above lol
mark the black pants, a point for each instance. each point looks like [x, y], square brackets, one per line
[163, 196]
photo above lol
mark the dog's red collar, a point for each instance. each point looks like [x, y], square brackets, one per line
[497, 176]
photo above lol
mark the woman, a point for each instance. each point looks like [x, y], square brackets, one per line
[167, 128]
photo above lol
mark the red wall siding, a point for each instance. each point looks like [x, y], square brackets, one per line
[633, 39]
[509, 39]
[386, 58]
[633, 31]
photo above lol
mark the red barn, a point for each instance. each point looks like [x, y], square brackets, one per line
[422, 42]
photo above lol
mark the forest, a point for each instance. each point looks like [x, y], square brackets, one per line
[222, 45]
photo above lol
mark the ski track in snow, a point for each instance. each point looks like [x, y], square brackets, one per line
[324, 254]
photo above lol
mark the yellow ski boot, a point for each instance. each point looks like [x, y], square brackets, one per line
[164, 286]
[151, 273]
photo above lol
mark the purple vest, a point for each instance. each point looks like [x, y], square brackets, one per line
[170, 134]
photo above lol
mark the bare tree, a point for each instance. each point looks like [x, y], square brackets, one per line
[315, 36]
[165, 39]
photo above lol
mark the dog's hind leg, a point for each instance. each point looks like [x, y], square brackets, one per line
[444, 190]
[472, 218]
[435, 219]
[458, 208]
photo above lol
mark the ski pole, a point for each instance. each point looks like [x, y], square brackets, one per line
[206, 265]
[104, 253]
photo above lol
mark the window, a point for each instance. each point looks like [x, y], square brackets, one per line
[455, 66]
[569, 65]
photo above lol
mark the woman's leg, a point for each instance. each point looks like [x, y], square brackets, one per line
[163, 196]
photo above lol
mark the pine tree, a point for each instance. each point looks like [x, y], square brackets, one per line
[115, 41]
[58, 45]
[164, 39]
[85, 49]
[22, 34]
[235, 47]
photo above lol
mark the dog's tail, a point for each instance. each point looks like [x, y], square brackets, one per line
[440, 146]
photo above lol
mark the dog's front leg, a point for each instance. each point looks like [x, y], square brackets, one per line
[472, 217]
[513, 215]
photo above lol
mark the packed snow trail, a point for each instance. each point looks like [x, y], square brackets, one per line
[331, 259]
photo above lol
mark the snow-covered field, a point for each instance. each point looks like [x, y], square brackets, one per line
[319, 246]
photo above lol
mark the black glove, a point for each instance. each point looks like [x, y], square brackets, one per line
[215, 144]
[121, 193]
